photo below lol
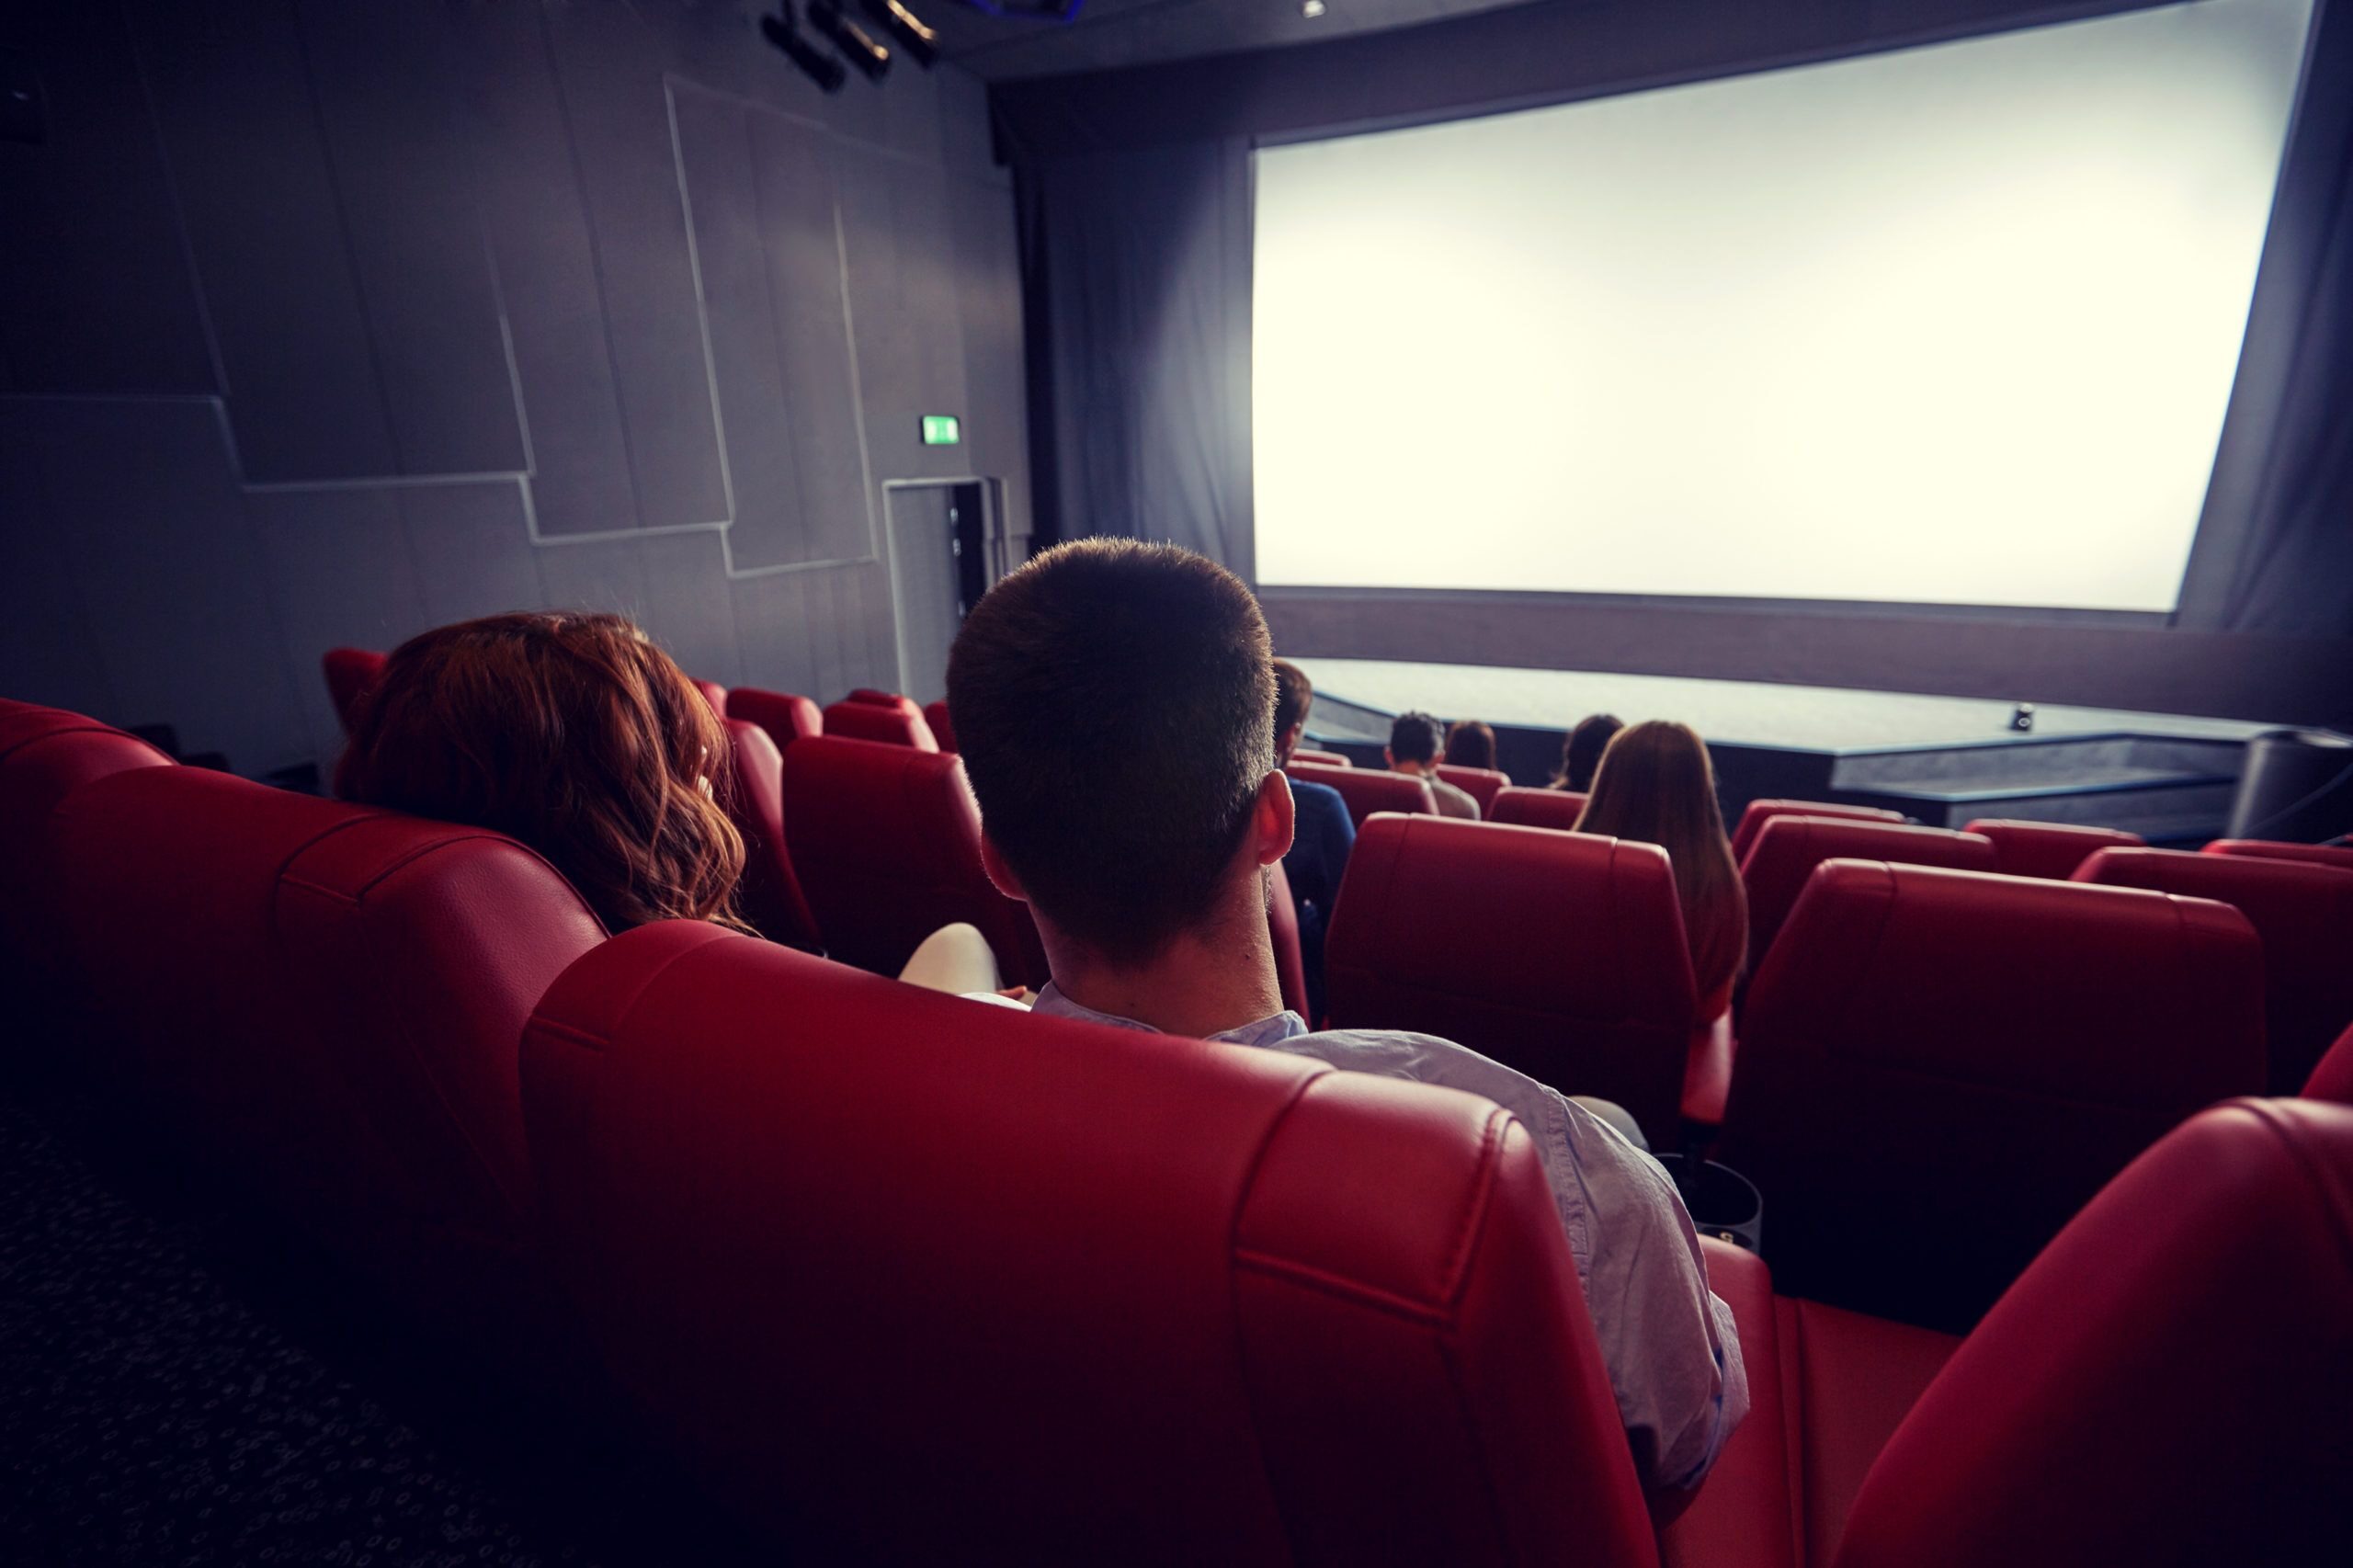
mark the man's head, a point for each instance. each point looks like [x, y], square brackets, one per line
[1414, 741]
[1115, 707]
[1294, 694]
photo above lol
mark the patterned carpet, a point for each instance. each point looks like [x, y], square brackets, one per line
[174, 1389]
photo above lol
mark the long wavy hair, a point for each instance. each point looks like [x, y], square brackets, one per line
[572, 733]
[1656, 786]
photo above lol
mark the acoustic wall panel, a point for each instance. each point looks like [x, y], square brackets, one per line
[380, 77]
[525, 179]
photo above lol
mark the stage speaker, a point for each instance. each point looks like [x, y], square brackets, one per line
[2297, 786]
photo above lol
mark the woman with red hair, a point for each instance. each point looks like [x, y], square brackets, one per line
[576, 736]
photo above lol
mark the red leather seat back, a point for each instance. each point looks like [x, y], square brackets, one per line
[1559, 954]
[2166, 1384]
[1282, 926]
[887, 842]
[714, 694]
[1758, 812]
[2050, 849]
[2303, 912]
[920, 1280]
[785, 716]
[1369, 790]
[2337, 855]
[770, 892]
[2333, 1079]
[1938, 1068]
[330, 999]
[1555, 809]
[901, 724]
[943, 728]
[351, 673]
[1480, 784]
[875, 697]
[46, 753]
[1321, 758]
[1787, 849]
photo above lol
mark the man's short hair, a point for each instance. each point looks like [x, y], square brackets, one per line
[1416, 737]
[1114, 705]
[1294, 694]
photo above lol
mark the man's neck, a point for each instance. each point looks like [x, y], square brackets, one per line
[1409, 766]
[1202, 983]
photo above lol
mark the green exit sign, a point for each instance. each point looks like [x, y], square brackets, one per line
[942, 430]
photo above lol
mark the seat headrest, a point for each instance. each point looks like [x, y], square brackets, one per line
[2337, 855]
[943, 728]
[1130, 1287]
[1555, 809]
[900, 724]
[46, 753]
[1788, 849]
[1758, 812]
[351, 673]
[2167, 1384]
[2048, 850]
[785, 716]
[1369, 790]
[837, 789]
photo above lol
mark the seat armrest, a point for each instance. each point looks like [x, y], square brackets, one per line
[1744, 1516]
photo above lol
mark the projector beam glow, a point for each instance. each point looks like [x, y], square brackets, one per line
[1954, 324]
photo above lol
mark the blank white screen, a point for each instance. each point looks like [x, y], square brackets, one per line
[1953, 325]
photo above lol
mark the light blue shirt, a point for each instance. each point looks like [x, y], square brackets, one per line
[1669, 1342]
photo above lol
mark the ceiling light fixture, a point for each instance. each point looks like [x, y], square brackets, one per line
[852, 43]
[920, 42]
[828, 73]
[1311, 10]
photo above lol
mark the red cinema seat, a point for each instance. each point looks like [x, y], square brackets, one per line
[1369, 790]
[899, 724]
[2302, 910]
[1555, 809]
[875, 697]
[330, 999]
[351, 673]
[1787, 849]
[1760, 812]
[1559, 954]
[943, 728]
[887, 842]
[785, 716]
[1482, 784]
[46, 753]
[2168, 1384]
[2333, 1079]
[1938, 1068]
[1321, 758]
[2050, 849]
[2335, 855]
[770, 893]
[911, 1278]
[714, 694]
[1282, 926]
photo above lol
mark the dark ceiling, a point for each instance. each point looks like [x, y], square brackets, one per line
[1111, 33]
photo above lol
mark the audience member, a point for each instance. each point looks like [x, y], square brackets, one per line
[1116, 704]
[1581, 753]
[578, 737]
[1471, 743]
[572, 733]
[1320, 843]
[1656, 786]
[1413, 740]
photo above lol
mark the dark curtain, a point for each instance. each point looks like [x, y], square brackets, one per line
[2279, 524]
[1136, 275]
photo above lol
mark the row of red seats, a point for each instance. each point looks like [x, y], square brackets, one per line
[911, 1278]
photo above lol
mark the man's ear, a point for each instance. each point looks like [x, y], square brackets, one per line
[1272, 818]
[999, 872]
[1389, 759]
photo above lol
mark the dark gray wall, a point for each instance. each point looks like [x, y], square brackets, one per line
[327, 321]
